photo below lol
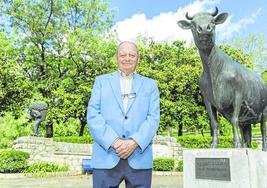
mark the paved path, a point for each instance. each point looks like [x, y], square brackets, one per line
[83, 181]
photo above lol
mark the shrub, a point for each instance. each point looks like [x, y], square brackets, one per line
[180, 166]
[69, 128]
[225, 127]
[12, 161]
[11, 128]
[42, 168]
[198, 141]
[163, 164]
[75, 139]
[194, 141]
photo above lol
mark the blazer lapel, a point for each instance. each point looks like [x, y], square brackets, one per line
[115, 85]
[136, 85]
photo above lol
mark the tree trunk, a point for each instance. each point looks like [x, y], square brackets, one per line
[180, 130]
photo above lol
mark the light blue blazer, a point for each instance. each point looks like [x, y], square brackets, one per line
[108, 121]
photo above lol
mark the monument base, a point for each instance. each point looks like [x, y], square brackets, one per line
[225, 168]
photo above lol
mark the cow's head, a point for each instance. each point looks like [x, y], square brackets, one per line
[202, 26]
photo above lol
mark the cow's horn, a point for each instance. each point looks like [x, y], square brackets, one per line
[188, 17]
[215, 12]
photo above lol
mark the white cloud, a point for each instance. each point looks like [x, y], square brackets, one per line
[164, 28]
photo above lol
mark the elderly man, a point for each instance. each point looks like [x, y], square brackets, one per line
[123, 116]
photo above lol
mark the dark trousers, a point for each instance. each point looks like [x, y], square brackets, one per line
[111, 178]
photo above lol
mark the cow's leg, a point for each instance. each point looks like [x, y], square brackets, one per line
[263, 129]
[246, 135]
[212, 112]
[234, 119]
[242, 132]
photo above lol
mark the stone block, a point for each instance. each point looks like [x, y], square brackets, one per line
[208, 168]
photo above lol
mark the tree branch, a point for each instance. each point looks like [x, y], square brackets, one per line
[50, 14]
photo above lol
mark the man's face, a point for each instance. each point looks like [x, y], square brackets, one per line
[127, 58]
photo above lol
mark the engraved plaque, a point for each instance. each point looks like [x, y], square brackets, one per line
[213, 168]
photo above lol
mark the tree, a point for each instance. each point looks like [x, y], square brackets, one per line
[255, 45]
[15, 86]
[177, 70]
[62, 46]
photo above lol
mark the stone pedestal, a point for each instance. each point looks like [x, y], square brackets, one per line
[225, 168]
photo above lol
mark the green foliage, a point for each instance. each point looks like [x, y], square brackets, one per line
[42, 168]
[75, 139]
[60, 53]
[69, 128]
[225, 127]
[177, 70]
[194, 141]
[254, 145]
[11, 128]
[256, 130]
[15, 86]
[163, 164]
[180, 167]
[238, 55]
[12, 161]
[198, 141]
[225, 142]
[255, 45]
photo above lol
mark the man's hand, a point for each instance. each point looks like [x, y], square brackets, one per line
[124, 148]
[117, 143]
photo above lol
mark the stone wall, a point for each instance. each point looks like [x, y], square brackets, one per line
[45, 149]
[164, 146]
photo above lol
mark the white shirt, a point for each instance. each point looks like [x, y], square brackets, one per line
[126, 88]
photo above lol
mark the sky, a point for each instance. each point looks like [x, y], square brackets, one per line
[157, 19]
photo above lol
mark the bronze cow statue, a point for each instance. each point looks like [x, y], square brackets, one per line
[228, 88]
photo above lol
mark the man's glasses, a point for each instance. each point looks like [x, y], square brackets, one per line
[129, 95]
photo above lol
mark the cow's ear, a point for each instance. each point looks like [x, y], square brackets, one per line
[184, 24]
[221, 18]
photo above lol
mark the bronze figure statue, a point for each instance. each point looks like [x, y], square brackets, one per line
[228, 87]
[37, 111]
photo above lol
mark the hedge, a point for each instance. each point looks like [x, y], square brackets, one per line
[12, 161]
[180, 167]
[163, 164]
[42, 168]
[75, 139]
[198, 141]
